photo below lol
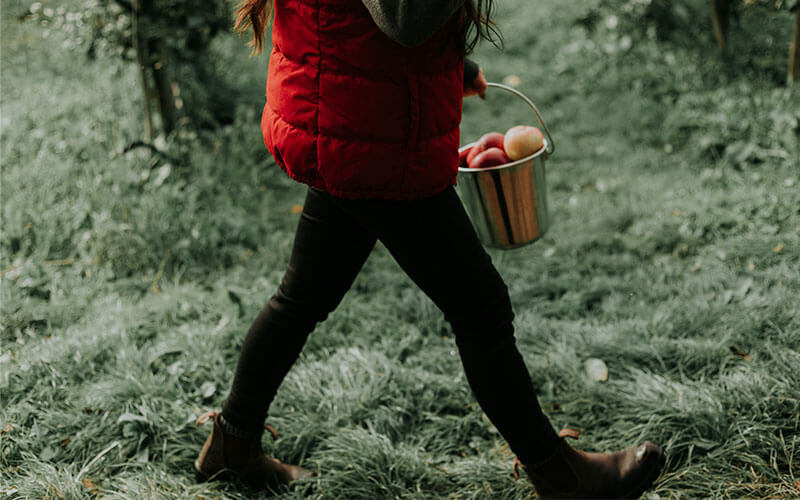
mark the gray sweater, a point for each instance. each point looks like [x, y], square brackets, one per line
[412, 22]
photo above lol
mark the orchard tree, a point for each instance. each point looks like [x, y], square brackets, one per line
[721, 11]
[168, 40]
[667, 17]
[170, 37]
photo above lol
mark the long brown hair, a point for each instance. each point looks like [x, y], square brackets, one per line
[479, 25]
[476, 22]
[255, 13]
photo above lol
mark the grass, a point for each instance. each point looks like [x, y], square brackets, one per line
[128, 281]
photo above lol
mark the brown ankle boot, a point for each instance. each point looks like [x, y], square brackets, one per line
[224, 453]
[572, 473]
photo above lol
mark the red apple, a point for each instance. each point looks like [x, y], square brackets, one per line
[492, 157]
[462, 157]
[490, 140]
[522, 141]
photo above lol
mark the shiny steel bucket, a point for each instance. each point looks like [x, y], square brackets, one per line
[508, 203]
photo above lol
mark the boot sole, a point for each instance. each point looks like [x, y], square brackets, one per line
[651, 477]
[229, 475]
[202, 477]
[198, 474]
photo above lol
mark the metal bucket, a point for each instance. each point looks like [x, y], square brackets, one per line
[508, 203]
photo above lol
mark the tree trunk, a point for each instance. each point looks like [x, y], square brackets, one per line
[142, 60]
[720, 17]
[794, 52]
[158, 89]
[166, 102]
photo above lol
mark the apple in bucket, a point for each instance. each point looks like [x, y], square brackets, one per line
[492, 157]
[487, 141]
[522, 141]
[462, 157]
[495, 149]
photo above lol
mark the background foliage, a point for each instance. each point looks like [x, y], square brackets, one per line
[129, 275]
[169, 40]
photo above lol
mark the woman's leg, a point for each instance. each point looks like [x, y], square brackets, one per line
[434, 242]
[329, 250]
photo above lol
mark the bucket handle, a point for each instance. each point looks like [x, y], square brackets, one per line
[550, 144]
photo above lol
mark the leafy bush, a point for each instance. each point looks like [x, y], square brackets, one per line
[732, 125]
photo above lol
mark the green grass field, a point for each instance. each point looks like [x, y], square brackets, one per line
[129, 280]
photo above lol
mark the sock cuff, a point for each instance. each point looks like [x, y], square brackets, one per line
[236, 431]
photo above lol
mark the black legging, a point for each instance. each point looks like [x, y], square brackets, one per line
[433, 241]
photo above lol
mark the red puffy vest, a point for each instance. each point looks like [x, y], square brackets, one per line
[354, 113]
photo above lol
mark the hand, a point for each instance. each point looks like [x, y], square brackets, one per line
[477, 87]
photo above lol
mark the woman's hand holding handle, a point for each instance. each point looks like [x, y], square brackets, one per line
[474, 81]
[477, 86]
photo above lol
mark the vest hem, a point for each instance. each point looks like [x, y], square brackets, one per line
[388, 195]
[364, 194]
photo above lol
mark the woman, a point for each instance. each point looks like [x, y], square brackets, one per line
[364, 105]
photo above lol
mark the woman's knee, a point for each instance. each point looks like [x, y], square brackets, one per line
[301, 305]
[484, 321]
